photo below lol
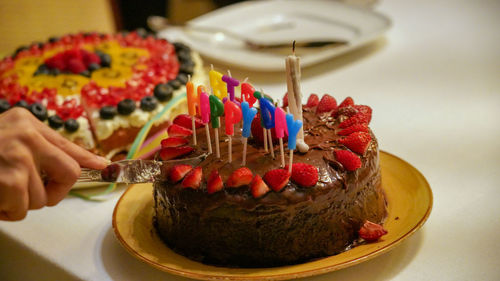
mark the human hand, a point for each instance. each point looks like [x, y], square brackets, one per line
[28, 147]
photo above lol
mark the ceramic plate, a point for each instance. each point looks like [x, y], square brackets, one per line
[409, 199]
[269, 21]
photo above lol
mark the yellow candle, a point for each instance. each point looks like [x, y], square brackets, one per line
[219, 88]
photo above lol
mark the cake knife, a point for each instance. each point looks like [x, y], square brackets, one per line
[134, 170]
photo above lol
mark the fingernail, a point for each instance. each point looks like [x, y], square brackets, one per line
[102, 159]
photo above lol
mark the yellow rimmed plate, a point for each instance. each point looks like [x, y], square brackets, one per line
[409, 199]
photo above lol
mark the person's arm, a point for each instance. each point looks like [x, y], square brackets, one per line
[27, 147]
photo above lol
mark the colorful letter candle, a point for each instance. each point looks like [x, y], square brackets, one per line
[192, 100]
[280, 127]
[205, 116]
[216, 110]
[248, 116]
[231, 84]
[233, 116]
[267, 111]
[257, 95]
[247, 93]
[218, 86]
[293, 129]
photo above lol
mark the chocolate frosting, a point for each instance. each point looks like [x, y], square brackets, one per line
[232, 228]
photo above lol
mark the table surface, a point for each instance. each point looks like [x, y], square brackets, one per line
[433, 83]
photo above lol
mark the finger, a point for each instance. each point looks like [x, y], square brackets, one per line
[82, 156]
[62, 172]
[36, 190]
[14, 195]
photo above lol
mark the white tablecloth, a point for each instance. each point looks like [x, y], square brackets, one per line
[433, 82]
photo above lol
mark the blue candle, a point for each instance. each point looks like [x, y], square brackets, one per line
[248, 116]
[293, 129]
[267, 110]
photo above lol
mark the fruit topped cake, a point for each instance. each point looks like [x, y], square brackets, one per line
[98, 90]
[264, 213]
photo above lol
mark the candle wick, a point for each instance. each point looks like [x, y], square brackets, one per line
[229, 73]
[293, 47]
[189, 77]
[211, 67]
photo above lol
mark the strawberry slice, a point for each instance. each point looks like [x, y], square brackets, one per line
[354, 128]
[327, 103]
[357, 142]
[312, 101]
[371, 231]
[303, 174]
[277, 178]
[285, 100]
[169, 153]
[175, 130]
[346, 102]
[178, 172]
[365, 109]
[240, 177]
[174, 142]
[358, 118]
[184, 120]
[214, 182]
[258, 187]
[348, 159]
[193, 178]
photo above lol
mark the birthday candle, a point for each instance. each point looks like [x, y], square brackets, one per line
[257, 95]
[247, 93]
[216, 110]
[233, 116]
[293, 128]
[248, 116]
[231, 84]
[205, 116]
[192, 100]
[218, 86]
[280, 127]
[267, 111]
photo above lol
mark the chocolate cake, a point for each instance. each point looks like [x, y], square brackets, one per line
[238, 227]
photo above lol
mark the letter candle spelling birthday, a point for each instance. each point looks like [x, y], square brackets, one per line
[218, 86]
[231, 84]
[247, 93]
[192, 100]
[293, 129]
[257, 95]
[205, 117]
[280, 127]
[248, 116]
[233, 116]
[267, 111]
[216, 110]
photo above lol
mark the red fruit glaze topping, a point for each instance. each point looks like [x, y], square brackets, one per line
[346, 102]
[354, 128]
[214, 182]
[174, 142]
[184, 120]
[357, 142]
[258, 187]
[312, 101]
[193, 178]
[371, 231]
[303, 174]
[240, 177]
[326, 104]
[179, 171]
[169, 153]
[348, 159]
[175, 130]
[277, 178]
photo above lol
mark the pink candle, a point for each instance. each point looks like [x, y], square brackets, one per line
[205, 116]
[280, 127]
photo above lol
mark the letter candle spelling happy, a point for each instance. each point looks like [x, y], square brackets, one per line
[248, 116]
[233, 116]
[205, 116]
[218, 86]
